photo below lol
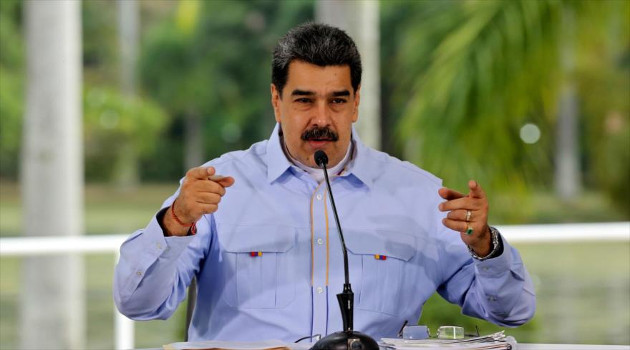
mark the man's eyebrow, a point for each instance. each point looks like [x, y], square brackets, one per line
[341, 93]
[298, 92]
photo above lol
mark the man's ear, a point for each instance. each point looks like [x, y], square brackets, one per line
[357, 99]
[275, 102]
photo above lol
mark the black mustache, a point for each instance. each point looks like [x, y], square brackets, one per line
[320, 134]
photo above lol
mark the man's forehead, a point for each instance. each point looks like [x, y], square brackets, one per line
[300, 69]
[306, 78]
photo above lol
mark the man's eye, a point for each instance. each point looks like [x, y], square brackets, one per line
[338, 101]
[303, 100]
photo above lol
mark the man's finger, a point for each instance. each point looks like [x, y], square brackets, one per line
[449, 194]
[455, 225]
[216, 177]
[462, 227]
[209, 208]
[459, 215]
[207, 186]
[200, 173]
[460, 203]
[226, 181]
[475, 189]
[208, 198]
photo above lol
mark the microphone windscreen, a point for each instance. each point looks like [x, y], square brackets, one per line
[321, 158]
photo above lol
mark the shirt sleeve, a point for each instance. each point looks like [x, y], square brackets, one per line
[153, 271]
[498, 289]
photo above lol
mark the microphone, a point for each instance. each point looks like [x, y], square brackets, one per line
[348, 338]
[321, 159]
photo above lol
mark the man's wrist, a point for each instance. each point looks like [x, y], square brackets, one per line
[160, 219]
[170, 227]
[496, 246]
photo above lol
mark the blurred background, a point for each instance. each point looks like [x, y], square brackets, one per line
[529, 97]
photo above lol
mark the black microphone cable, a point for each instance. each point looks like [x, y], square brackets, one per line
[348, 338]
[322, 160]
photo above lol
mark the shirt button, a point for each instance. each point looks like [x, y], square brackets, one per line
[139, 273]
[320, 290]
[159, 246]
[320, 241]
[319, 196]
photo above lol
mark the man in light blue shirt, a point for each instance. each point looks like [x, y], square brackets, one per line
[256, 227]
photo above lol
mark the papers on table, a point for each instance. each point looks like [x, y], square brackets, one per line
[231, 345]
[496, 341]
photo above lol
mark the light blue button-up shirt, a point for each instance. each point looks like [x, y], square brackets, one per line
[269, 262]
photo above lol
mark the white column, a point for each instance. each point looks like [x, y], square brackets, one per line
[52, 296]
[567, 177]
[126, 168]
[128, 38]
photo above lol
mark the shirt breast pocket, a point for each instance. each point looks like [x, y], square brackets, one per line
[258, 271]
[385, 270]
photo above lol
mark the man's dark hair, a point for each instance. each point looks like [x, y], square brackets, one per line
[317, 44]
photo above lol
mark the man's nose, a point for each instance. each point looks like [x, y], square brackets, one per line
[321, 115]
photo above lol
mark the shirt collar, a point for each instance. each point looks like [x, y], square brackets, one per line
[361, 166]
[277, 162]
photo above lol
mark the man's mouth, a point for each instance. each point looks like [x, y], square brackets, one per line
[318, 143]
[319, 139]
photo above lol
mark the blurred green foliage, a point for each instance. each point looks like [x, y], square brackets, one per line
[603, 73]
[460, 80]
[99, 22]
[115, 125]
[467, 75]
[212, 59]
[11, 86]
[11, 109]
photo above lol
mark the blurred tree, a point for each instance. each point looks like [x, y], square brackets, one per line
[11, 86]
[119, 130]
[602, 73]
[122, 128]
[210, 64]
[470, 74]
[216, 72]
[100, 45]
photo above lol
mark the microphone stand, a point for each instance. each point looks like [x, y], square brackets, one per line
[348, 338]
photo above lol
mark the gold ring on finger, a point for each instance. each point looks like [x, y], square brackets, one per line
[468, 215]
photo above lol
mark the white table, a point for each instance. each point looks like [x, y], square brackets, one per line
[571, 347]
[545, 347]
